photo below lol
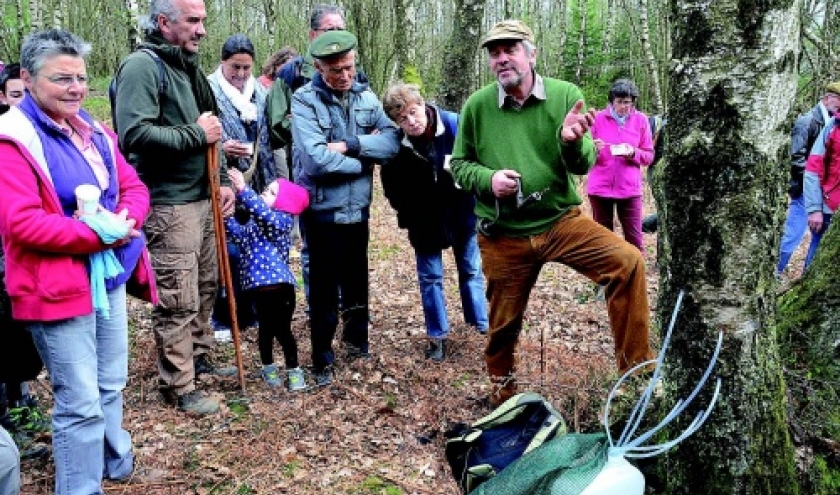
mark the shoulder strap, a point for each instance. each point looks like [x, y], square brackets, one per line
[163, 82]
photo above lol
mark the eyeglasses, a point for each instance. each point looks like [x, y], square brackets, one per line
[334, 28]
[624, 102]
[66, 80]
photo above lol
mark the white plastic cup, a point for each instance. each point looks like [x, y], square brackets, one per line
[87, 198]
[249, 146]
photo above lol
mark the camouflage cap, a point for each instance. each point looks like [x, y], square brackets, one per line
[332, 44]
[833, 87]
[508, 30]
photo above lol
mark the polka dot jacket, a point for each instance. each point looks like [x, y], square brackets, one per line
[264, 243]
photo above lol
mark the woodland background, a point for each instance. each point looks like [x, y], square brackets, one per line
[730, 74]
[588, 42]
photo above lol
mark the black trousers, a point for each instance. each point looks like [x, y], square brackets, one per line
[275, 306]
[337, 262]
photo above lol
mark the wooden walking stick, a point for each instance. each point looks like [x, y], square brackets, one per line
[222, 252]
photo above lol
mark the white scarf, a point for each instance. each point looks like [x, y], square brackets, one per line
[240, 99]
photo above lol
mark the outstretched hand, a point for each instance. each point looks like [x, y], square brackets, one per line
[237, 180]
[577, 122]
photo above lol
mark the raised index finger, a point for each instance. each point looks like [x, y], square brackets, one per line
[578, 106]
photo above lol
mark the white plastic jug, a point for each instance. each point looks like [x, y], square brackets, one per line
[618, 477]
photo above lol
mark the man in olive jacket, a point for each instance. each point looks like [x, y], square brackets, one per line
[165, 128]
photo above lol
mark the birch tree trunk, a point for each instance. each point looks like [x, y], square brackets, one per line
[35, 9]
[721, 207]
[131, 24]
[650, 58]
[405, 64]
[58, 15]
[609, 31]
[581, 55]
[458, 83]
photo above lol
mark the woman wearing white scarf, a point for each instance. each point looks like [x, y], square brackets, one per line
[241, 102]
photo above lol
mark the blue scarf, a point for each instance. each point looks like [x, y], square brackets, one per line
[621, 120]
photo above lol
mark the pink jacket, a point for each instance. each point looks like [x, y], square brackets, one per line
[618, 176]
[46, 251]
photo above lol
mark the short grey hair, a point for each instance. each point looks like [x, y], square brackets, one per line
[40, 46]
[318, 13]
[156, 9]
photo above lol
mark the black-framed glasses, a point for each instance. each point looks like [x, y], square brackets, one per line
[334, 28]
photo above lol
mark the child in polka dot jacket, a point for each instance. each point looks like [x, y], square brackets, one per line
[264, 242]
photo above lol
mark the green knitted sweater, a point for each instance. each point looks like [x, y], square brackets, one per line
[526, 140]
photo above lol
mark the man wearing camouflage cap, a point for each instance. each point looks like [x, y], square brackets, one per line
[339, 132]
[519, 142]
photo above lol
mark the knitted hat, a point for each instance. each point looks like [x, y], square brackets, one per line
[291, 197]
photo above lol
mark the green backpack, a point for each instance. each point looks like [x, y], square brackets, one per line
[479, 451]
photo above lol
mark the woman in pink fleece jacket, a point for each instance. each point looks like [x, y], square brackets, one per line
[48, 147]
[624, 143]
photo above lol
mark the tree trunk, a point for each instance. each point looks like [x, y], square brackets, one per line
[459, 54]
[35, 9]
[131, 27]
[733, 81]
[650, 58]
[609, 32]
[405, 65]
[809, 330]
[583, 7]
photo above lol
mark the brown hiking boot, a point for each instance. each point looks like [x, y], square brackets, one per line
[196, 402]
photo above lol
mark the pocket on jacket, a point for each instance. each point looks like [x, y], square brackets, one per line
[324, 121]
[176, 276]
[73, 280]
[365, 118]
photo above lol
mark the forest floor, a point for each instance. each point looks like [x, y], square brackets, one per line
[379, 429]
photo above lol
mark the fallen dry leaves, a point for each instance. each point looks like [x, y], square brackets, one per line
[380, 428]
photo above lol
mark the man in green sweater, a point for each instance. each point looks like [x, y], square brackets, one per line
[519, 142]
[166, 117]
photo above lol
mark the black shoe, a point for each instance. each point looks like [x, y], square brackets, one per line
[323, 377]
[28, 447]
[650, 223]
[203, 366]
[436, 350]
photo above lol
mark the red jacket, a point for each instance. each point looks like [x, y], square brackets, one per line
[46, 251]
[824, 163]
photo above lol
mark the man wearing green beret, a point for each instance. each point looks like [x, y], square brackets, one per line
[519, 143]
[339, 131]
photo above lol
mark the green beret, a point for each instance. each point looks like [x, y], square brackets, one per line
[332, 44]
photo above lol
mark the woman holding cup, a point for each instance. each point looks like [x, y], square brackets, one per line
[56, 243]
[241, 100]
[624, 144]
